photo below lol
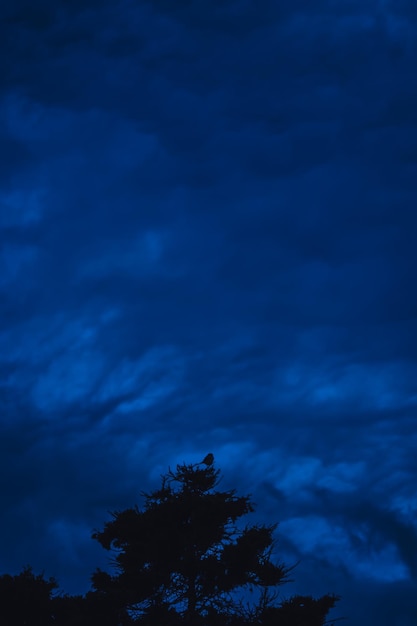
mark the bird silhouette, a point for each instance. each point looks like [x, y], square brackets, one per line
[208, 459]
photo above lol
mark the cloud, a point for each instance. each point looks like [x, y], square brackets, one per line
[207, 223]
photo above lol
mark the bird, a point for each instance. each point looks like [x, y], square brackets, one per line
[208, 459]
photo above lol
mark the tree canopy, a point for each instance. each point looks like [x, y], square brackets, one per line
[26, 599]
[185, 557]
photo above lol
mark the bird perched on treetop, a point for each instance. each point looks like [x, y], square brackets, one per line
[208, 459]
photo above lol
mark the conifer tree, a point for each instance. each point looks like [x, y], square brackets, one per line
[185, 558]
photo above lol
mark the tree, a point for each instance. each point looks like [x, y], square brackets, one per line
[26, 599]
[186, 559]
[87, 610]
[297, 611]
[31, 600]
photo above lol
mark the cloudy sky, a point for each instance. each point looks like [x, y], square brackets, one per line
[208, 234]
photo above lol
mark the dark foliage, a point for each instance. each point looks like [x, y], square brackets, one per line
[26, 599]
[88, 610]
[185, 558]
[297, 611]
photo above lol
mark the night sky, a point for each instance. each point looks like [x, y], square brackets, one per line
[208, 224]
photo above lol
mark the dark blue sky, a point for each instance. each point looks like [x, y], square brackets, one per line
[208, 222]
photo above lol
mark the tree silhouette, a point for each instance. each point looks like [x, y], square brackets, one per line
[26, 599]
[87, 610]
[185, 558]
